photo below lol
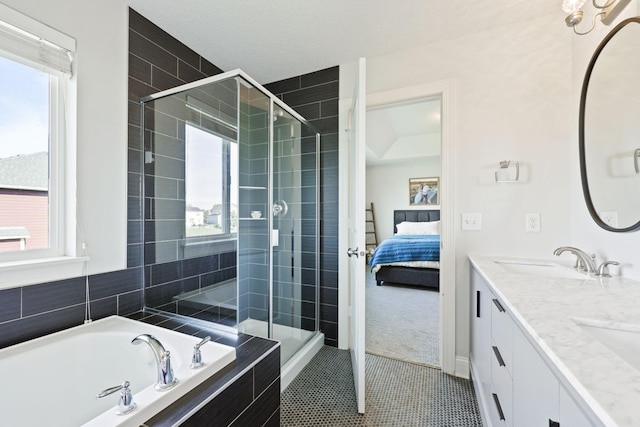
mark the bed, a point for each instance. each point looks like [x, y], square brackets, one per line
[409, 259]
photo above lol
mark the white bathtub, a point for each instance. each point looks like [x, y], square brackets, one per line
[53, 380]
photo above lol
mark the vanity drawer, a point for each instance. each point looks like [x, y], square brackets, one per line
[502, 335]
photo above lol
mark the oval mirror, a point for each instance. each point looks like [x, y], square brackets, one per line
[609, 130]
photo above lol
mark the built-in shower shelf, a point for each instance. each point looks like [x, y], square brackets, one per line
[249, 187]
[252, 219]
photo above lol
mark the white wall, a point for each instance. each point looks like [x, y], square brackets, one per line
[101, 32]
[512, 102]
[388, 189]
[622, 247]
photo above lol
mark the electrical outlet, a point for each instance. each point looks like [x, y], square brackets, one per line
[610, 218]
[471, 221]
[532, 223]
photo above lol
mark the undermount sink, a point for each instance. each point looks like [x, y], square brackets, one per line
[540, 269]
[621, 338]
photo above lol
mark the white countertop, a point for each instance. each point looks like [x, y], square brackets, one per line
[544, 307]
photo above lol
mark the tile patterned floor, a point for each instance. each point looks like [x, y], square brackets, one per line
[397, 394]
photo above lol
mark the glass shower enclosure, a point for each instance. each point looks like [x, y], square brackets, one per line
[230, 203]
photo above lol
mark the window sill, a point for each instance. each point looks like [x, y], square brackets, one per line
[209, 247]
[29, 272]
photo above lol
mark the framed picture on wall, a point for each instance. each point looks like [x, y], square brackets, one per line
[424, 191]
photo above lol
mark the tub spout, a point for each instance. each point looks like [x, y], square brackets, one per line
[166, 379]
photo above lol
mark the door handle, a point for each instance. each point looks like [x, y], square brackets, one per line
[352, 252]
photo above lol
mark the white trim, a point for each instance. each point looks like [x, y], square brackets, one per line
[344, 306]
[480, 397]
[444, 88]
[462, 366]
[37, 28]
[30, 42]
[29, 272]
[302, 357]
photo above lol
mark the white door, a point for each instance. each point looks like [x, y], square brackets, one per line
[356, 219]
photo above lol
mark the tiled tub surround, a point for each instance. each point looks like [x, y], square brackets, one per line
[84, 360]
[245, 392]
[543, 309]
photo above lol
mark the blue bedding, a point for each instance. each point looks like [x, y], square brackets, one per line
[402, 248]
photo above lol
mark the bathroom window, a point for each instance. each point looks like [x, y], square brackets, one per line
[211, 177]
[34, 75]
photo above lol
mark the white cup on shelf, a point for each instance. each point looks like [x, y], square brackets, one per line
[256, 214]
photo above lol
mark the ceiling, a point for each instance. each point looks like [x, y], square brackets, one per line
[276, 39]
[400, 132]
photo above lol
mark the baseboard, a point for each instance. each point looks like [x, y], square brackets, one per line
[293, 367]
[482, 404]
[462, 367]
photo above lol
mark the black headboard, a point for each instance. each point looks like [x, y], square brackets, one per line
[414, 215]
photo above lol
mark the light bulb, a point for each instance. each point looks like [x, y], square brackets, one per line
[572, 6]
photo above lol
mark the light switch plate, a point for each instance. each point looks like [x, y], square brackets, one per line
[472, 221]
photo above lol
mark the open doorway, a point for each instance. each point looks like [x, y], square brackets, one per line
[404, 167]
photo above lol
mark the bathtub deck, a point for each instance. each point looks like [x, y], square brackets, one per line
[243, 393]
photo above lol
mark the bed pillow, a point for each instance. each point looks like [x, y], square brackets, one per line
[407, 227]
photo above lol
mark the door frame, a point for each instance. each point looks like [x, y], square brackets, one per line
[444, 89]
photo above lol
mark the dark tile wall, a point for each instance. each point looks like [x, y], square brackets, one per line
[157, 62]
[253, 234]
[315, 97]
[294, 180]
[32, 311]
[294, 259]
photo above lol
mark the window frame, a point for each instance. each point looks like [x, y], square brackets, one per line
[61, 209]
[226, 194]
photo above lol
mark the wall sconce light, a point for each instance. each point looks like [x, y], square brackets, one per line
[610, 10]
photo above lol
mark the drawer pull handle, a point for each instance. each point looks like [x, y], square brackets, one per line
[477, 303]
[497, 402]
[498, 356]
[500, 307]
[553, 423]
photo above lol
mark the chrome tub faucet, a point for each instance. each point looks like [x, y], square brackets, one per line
[166, 379]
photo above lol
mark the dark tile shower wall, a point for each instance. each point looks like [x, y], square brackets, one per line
[159, 62]
[294, 180]
[294, 260]
[253, 234]
[315, 96]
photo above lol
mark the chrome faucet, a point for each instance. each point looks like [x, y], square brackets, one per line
[166, 379]
[126, 403]
[584, 262]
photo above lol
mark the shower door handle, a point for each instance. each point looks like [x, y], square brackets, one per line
[354, 252]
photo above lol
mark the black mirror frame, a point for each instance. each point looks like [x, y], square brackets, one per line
[581, 141]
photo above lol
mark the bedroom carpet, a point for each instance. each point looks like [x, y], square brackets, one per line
[402, 322]
[397, 394]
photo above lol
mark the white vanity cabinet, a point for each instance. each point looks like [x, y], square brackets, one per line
[514, 385]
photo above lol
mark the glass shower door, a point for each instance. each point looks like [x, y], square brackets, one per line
[295, 232]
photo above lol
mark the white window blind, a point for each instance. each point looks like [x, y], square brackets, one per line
[27, 40]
